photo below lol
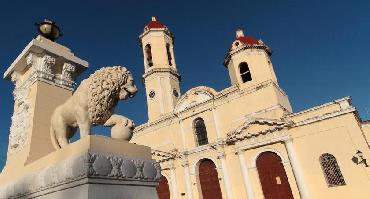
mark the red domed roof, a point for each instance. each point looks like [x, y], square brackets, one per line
[155, 24]
[248, 40]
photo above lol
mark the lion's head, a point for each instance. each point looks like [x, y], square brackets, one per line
[106, 86]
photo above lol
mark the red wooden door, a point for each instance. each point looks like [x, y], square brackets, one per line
[163, 190]
[208, 178]
[273, 178]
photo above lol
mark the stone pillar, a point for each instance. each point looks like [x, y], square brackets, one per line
[296, 169]
[174, 191]
[43, 74]
[225, 173]
[189, 189]
[245, 173]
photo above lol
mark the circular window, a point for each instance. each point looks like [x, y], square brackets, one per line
[175, 93]
[151, 94]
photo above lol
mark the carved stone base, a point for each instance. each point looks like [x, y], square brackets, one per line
[89, 174]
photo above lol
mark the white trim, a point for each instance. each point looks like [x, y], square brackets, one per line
[248, 186]
[173, 190]
[169, 93]
[215, 120]
[320, 106]
[182, 134]
[160, 95]
[325, 116]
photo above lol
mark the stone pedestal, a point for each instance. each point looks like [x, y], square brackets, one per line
[92, 167]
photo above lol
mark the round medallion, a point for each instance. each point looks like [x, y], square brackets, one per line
[175, 93]
[151, 94]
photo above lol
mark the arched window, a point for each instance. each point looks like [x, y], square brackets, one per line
[331, 170]
[148, 53]
[244, 71]
[169, 54]
[200, 131]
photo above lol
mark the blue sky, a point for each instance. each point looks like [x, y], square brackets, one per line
[320, 49]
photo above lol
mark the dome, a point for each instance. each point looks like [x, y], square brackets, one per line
[249, 40]
[154, 24]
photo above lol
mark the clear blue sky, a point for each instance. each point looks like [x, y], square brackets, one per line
[321, 48]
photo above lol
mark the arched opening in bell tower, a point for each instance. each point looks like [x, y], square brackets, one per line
[169, 56]
[148, 53]
[245, 73]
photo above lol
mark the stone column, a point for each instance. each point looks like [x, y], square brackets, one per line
[174, 192]
[246, 178]
[296, 169]
[215, 119]
[182, 131]
[225, 173]
[189, 189]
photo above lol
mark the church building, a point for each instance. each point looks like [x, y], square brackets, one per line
[245, 141]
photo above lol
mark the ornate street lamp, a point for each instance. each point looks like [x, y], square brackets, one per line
[49, 29]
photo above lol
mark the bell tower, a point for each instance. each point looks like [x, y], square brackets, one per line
[161, 77]
[248, 61]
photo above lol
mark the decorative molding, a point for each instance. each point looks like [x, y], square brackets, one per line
[221, 98]
[197, 95]
[269, 138]
[21, 119]
[260, 46]
[239, 135]
[88, 165]
[162, 70]
[43, 69]
[185, 163]
[66, 78]
[325, 116]
[338, 101]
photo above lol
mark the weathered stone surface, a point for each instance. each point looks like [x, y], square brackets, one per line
[89, 175]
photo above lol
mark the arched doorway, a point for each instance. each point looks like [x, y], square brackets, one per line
[208, 178]
[273, 178]
[163, 190]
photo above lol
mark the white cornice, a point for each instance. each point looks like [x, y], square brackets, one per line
[325, 116]
[320, 106]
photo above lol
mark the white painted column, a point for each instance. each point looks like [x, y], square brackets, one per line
[225, 174]
[182, 131]
[169, 93]
[245, 173]
[160, 96]
[217, 126]
[174, 192]
[189, 190]
[296, 169]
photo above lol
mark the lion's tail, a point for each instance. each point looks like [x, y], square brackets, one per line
[54, 140]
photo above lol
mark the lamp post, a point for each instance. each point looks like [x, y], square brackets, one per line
[49, 29]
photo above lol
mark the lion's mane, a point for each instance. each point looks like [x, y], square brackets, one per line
[104, 87]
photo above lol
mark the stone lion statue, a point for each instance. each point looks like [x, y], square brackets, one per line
[92, 103]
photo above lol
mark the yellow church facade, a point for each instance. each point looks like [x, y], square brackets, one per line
[245, 141]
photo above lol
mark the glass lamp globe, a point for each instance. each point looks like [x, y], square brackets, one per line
[49, 29]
